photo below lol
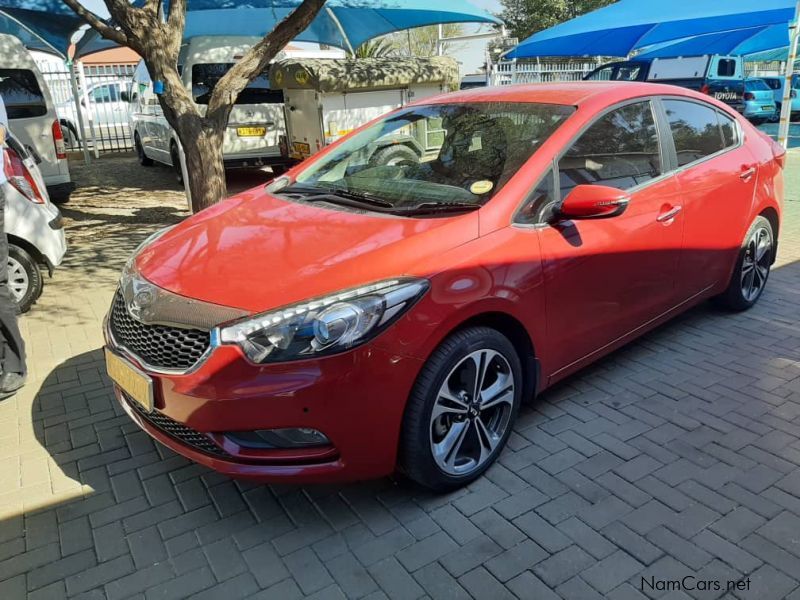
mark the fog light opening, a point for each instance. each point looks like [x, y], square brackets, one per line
[300, 437]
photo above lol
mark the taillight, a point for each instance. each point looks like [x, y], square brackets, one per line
[283, 144]
[58, 140]
[20, 177]
[749, 96]
[705, 89]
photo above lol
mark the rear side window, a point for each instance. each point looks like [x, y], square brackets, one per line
[730, 133]
[695, 129]
[21, 94]
[726, 67]
[620, 150]
[755, 85]
[774, 84]
[206, 75]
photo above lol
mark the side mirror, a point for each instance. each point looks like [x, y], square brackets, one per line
[124, 96]
[593, 202]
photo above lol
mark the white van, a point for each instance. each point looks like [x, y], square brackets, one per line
[32, 115]
[256, 132]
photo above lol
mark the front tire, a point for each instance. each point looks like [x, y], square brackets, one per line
[752, 267]
[396, 155]
[24, 278]
[461, 410]
[143, 159]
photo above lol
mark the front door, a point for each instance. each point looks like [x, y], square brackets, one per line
[605, 278]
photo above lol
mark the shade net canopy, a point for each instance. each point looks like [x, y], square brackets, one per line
[750, 41]
[341, 23]
[628, 25]
[39, 24]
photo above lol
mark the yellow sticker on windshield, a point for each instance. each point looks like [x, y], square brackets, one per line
[481, 187]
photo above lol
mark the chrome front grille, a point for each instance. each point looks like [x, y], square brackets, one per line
[158, 346]
[178, 431]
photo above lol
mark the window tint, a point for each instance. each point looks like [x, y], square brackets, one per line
[205, 76]
[753, 85]
[620, 150]
[602, 74]
[726, 67]
[21, 94]
[538, 207]
[730, 134]
[106, 93]
[695, 129]
[774, 84]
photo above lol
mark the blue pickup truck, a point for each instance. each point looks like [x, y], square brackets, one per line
[719, 76]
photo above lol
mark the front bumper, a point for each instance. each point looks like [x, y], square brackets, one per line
[356, 399]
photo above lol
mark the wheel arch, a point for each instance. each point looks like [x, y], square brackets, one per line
[771, 215]
[30, 249]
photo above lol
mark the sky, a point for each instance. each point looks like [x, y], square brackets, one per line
[469, 54]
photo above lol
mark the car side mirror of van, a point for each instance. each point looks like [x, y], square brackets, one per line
[124, 96]
[593, 202]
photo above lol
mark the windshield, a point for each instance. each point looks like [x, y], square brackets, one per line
[754, 85]
[441, 155]
[206, 75]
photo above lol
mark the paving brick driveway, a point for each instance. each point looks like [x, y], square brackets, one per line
[678, 455]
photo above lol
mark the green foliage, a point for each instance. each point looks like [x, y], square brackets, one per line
[375, 48]
[526, 17]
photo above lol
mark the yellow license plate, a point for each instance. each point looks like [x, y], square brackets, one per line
[251, 131]
[137, 385]
[303, 149]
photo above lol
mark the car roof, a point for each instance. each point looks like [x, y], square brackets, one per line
[573, 93]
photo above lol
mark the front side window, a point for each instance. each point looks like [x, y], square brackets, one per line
[695, 129]
[440, 156]
[620, 150]
[21, 94]
[538, 208]
[205, 77]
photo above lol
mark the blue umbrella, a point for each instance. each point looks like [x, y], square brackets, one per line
[40, 24]
[341, 23]
[628, 25]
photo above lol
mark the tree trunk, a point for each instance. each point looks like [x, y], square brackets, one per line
[205, 168]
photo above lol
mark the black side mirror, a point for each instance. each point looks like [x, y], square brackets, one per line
[124, 96]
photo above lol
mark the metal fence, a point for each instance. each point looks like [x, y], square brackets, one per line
[511, 72]
[105, 115]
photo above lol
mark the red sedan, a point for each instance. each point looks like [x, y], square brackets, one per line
[359, 316]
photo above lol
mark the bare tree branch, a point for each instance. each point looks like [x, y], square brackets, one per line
[177, 16]
[258, 57]
[151, 6]
[96, 23]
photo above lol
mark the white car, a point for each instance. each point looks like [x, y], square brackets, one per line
[32, 115]
[33, 225]
[106, 112]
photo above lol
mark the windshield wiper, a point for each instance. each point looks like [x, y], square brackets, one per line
[426, 208]
[340, 196]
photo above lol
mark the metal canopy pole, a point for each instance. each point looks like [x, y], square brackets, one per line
[77, 98]
[336, 22]
[786, 107]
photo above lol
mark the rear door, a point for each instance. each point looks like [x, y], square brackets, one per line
[717, 175]
[607, 277]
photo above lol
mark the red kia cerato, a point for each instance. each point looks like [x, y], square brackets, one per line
[358, 316]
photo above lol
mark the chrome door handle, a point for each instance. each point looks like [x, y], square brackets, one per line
[669, 215]
[746, 175]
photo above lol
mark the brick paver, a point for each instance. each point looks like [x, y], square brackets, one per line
[677, 455]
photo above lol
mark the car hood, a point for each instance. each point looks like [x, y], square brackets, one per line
[256, 252]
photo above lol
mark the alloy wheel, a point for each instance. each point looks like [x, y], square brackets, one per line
[472, 412]
[18, 281]
[756, 263]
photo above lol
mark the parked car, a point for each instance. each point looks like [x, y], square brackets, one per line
[721, 77]
[32, 115]
[777, 85]
[256, 132]
[759, 104]
[104, 107]
[33, 225]
[367, 318]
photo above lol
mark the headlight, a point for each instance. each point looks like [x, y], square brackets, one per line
[324, 325]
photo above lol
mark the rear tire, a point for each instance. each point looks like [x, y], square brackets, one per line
[454, 445]
[24, 278]
[175, 159]
[752, 268]
[143, 159]
[395, 155]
